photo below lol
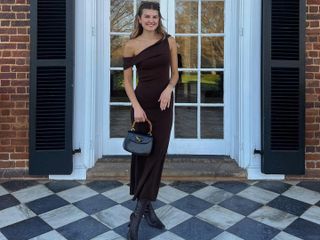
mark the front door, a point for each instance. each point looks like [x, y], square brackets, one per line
[200, 108]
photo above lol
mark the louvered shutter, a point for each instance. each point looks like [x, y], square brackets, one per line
[283, 75]
[51, 86]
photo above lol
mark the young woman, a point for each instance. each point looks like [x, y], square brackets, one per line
[154, 53]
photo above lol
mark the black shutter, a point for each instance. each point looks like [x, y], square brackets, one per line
[283, 87]
[51, 86]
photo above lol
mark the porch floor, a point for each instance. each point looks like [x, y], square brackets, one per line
[202, 210]
[176, 167]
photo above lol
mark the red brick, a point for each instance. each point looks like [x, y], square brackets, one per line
[310, 164]
[21, 164]
[19, 156]
[3, 156]
[6, 164]
[7, 149]
[19, 38]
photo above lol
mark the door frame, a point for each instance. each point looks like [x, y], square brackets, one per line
[113, 146]
[88, 122]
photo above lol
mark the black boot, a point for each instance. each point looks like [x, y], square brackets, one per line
[135, 219]
[151, 217]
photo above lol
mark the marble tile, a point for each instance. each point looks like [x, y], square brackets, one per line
[16, 185]
[171, 216]
[168, 194]
[188, 186]
[3, 191]
[226, 217]
[26, 229]
[62, 216]
[77, 193]
[274, 186]
[302, 194]
[231, 186]
[14, 214]
[103, 186]
[110, 235]
[227, 236]
[61, 185]
[285, 236]
[83, 229]
[95, 204]
[46, 204]
[252, 230]
[191, 204]
[304, 229]
[289, 205]
[240, 205]
[7, 201]
[212, 194]
[194, 228]
[273, 217]
[312, 215]
[167, 236]
[114, 216]
[258, 194]
[311, 185]
[52, 235]
[119, 194]
[2, 237]
[32, 193]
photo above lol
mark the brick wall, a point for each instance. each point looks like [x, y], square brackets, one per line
[14, 87]
[313, 88]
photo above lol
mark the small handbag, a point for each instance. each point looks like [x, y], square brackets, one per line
[139, 144]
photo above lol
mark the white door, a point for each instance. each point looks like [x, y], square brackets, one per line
[201, 107]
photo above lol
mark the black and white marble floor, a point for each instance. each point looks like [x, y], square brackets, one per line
[99, 210]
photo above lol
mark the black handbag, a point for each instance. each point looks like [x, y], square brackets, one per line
[139, 144]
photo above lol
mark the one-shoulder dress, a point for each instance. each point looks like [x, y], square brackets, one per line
[153, 66]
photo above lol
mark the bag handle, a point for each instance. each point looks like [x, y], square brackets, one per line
[150, 126]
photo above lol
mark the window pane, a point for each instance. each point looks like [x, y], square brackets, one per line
[187, 51]
[121, 15]
[212, 52]
[212, 122]
[186, 88]
[212, 17]
[211, 87]
[117, 92]
[185, 122]
[117, 43]
[120, 121]
[186, 16]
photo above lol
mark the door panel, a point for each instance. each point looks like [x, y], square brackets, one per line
[198, 126]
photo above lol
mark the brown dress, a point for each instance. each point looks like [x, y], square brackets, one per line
[153, 66]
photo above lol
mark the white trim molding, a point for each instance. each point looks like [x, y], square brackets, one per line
[250, 89]
[84, 90]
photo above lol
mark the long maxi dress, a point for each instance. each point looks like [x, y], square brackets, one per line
[153, 66]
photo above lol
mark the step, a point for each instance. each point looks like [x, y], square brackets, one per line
[180, 167]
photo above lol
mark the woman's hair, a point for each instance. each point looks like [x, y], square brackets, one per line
[137, 28]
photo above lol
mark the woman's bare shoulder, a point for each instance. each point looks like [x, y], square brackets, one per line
[129, 47]
[172, 41]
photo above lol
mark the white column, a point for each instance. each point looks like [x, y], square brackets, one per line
[250, 89]
[84, 90]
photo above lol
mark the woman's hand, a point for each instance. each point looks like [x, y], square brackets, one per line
[165, 97]
[139, 114]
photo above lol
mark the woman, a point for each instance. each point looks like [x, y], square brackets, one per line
[154, 53]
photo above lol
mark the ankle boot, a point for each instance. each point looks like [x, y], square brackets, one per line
[151, 217]
[135, 219]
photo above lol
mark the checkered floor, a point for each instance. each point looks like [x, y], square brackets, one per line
[99, 210]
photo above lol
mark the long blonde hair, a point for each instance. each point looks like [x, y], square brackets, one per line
[137, 28]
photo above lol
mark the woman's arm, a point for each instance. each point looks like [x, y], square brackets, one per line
[165, 96]
[139, 114]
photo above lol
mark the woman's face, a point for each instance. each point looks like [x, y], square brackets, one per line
[149, 19]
